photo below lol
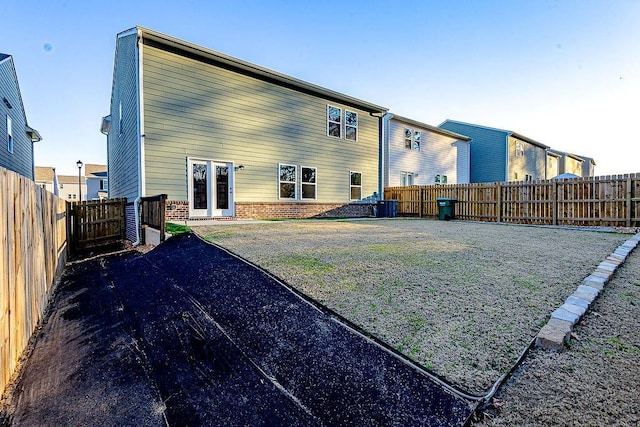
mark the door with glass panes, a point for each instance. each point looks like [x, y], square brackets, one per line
[210, 189]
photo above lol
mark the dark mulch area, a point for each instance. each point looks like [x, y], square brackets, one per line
[190, 335]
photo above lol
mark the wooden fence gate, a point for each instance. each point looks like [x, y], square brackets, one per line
[97, 223]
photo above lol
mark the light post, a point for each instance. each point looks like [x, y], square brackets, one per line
[79, 164]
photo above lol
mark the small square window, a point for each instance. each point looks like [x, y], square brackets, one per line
[443, 179]
[437, 180]
[356, 186]
[334, 121]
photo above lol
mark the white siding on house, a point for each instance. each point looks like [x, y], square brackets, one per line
[198, 110]
[438, 155]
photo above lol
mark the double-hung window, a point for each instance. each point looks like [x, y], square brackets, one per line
[408, 138]
[287, 175]
[334, 121]
[9, 135]
[350, 125]
[309, 183]
[417, 136]
[355, 187]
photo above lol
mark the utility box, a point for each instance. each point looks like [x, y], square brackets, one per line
[446, 208]
[387, 209]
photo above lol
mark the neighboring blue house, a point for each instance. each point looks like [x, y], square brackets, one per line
[501, 155]
[16, 137]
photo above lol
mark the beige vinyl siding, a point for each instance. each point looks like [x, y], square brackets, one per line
[437, 156]
[197, 110]
[122, 150]
[533, 162]
[573, 165]
[553, 166]
[21, 160]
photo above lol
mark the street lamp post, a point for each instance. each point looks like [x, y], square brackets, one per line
[79, 164]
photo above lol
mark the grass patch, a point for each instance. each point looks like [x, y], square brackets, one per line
[307, 263]
[176, 229]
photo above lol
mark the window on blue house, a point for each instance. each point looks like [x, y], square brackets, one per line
[9, 135]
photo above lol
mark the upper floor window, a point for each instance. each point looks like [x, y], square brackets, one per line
[350, 125]
[334, 121]
[408, 138]
[120, 118]
[412, 139]
[104, 184]
[356, 186]
[9, 135]
[417, 136]
[519, 149]
[309, 184]
[287, 175]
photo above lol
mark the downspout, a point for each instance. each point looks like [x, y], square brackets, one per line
[506, 154]
[140, 129]
[382, 152]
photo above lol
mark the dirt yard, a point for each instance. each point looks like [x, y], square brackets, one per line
[596, 382]
[461, 298]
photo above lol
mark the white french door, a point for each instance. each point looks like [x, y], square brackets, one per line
[210, 188]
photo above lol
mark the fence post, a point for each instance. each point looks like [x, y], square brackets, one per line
[629, 202]
[554, 202]
[499, 202]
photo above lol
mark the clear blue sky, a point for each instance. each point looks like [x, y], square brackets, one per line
[566, 73]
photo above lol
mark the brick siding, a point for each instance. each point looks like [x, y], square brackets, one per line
[179, 210]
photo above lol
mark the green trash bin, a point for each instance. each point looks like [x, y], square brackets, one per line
[446, 208]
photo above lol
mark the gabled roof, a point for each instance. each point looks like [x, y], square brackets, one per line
[44, 173]
[70, 179]
[32, 133]
[95, 171]
[434, 129]
[508, 132]
[210, 56]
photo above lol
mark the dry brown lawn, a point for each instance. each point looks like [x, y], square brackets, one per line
[461, 298]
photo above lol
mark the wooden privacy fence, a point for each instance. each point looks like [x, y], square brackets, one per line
[97, 223]
[593, 201]
[33, 238]
[152, 213]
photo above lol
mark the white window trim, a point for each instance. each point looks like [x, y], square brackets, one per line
[315, 184]
[331, 121]
[415, 141]
[357, 126]
[295, 183]
[9, 135]
[351, 185]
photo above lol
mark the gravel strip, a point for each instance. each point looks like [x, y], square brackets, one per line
[461, 298]
[596, 381]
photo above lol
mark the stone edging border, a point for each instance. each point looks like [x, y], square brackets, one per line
[557, 331]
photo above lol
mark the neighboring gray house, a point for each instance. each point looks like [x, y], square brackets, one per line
[46, 177]
[569, 163]
[224, 138]
[97, 181]
[16, 137]
[419, 154]
[501, 155]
